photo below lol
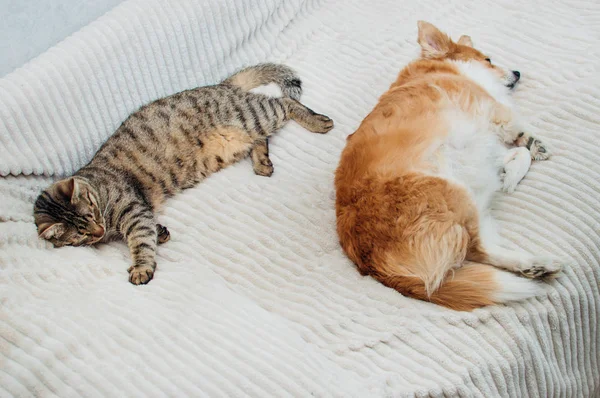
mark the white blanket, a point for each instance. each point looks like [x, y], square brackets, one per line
[253, 295]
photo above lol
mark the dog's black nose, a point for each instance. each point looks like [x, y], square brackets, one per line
[517, 74]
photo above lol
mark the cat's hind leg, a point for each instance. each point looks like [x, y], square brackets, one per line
[259, 154]
[306, 117]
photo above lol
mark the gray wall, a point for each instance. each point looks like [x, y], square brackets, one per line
[29, 27]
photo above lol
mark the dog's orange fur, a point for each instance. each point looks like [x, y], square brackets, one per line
[408, 229]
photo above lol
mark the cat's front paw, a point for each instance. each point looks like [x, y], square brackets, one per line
[264, 168]
[163, 234]
[140, 274]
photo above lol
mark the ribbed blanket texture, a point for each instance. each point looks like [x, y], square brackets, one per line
[253, 295]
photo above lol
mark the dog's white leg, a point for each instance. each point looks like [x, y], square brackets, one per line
[537, 149]
[490, 252]
[512, 133]
[526, 264]
[516, 164]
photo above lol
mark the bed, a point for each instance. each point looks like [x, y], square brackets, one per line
[253, 295]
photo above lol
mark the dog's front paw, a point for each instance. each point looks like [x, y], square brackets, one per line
[140, 274]
[516, 165]
[537, 149]
[509, 182]
[543, 267]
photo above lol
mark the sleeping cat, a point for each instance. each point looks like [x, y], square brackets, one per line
[164, 147]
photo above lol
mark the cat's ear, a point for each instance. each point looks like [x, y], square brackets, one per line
[465, 41]
[91, 198]
[69, 188]
[433, 42]
[53, 231]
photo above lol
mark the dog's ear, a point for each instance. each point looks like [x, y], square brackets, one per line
[465, 41]
[434, 44]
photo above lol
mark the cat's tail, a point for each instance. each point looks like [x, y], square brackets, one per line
[261, 74]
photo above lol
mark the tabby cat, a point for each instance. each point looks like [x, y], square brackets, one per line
[164, 147]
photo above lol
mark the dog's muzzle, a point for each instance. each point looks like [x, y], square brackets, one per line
[516, 76]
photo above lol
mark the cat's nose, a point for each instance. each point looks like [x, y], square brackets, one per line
[517, 74]
[98, 231]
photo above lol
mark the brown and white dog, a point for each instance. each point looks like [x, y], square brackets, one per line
[415, 181]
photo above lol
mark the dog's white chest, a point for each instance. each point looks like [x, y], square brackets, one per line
[472, 156]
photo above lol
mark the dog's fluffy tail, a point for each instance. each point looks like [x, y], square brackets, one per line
[258, 75]
[468, 287]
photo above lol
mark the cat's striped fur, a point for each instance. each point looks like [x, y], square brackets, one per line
[164, 147]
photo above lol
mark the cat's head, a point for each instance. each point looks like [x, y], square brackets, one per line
[67, 214]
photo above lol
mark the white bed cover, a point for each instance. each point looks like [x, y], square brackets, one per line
[253, 295]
